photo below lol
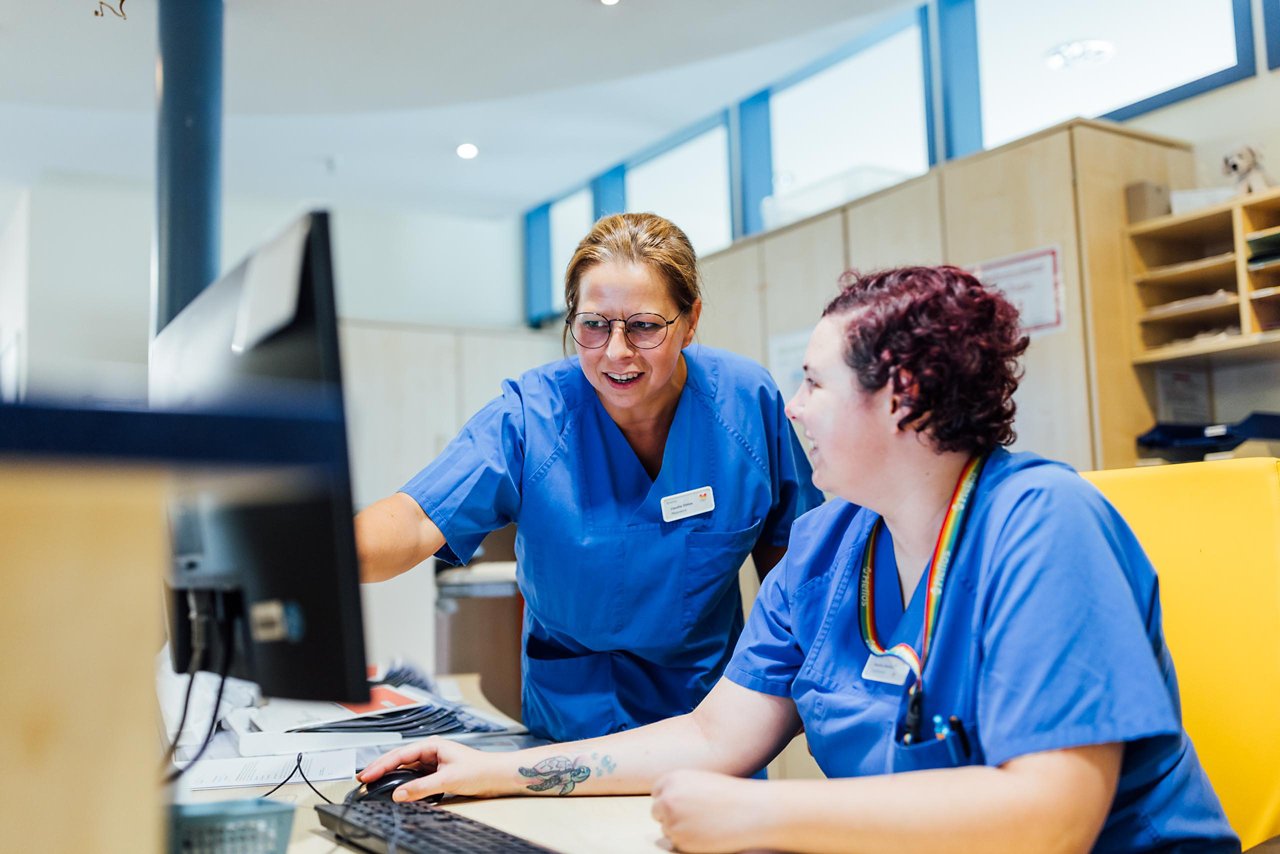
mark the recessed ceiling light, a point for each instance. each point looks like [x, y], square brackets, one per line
[467, 151]
[609, 2]
[1078, 54]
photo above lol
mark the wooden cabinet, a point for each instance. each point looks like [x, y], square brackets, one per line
[487, 357]
[732, 295]
[401, 398]
[899, 226]
[1015, 199]
[801, 264]
[1081, 399]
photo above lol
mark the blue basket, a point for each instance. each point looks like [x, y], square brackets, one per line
[252, 826]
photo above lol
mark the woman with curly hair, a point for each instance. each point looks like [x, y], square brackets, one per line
[970, 638]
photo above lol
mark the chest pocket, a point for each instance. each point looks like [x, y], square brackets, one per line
[954, 751]
[710, 573]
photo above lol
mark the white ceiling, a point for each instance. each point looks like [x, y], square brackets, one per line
[364, 102]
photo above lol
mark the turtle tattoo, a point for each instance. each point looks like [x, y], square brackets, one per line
[557, 771]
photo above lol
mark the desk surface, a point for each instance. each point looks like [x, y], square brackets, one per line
[582, 825]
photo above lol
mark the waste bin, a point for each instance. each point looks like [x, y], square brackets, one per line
[479, 615]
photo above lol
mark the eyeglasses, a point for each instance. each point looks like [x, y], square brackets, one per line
[643, 331]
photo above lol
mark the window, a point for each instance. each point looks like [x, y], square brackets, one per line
[1042, 63]
[571, 219]
[689, 185]
[849, 129]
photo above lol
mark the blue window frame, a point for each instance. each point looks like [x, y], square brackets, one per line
[1271, 26]
[537, 265]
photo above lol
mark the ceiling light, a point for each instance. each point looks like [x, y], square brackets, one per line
[609, 2]
[1078, 54]
[467, 151]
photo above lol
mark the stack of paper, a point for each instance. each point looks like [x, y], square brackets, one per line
[393, 714]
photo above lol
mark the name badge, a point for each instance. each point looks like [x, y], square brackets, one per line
[682, 505]
[887, 669]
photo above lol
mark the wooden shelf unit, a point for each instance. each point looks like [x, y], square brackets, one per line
[1260, 217]
[1193, 275]
[1201, 253]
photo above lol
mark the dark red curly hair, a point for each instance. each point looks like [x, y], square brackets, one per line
[947, 342]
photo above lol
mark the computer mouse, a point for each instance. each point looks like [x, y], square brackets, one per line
[381, 788]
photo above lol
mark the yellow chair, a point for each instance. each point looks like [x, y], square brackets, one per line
[1213, 532]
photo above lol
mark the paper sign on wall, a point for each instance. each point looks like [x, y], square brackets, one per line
[786, 360]
[1032, 281]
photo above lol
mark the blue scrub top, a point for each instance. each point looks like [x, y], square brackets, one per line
[1049, 637]
[628, 619]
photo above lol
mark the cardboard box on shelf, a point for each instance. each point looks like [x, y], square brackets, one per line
[1146, 200]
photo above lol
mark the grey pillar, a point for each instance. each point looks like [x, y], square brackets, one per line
[188, 153]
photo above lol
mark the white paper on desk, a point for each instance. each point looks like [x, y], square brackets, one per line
[252, 743]
[284, 715]
[269, 770]
[171, 691]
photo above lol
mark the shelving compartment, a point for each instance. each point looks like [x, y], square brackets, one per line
[1185, 271]
[1260, 220]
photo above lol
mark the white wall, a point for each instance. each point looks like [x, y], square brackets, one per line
[90, 250]
[416, 267]
[89, 298]
[402, 266]
[1241, 389]
[15, 213]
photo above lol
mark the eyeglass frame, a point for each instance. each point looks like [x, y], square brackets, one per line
[568, 321]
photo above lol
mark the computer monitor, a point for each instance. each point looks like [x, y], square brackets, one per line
[266, 559]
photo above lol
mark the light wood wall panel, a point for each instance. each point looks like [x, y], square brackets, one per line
[487, 357]
[1010, 200]
[897, 227]
[401, 388]
[1105, 162]
[733, 301]
[801, 265]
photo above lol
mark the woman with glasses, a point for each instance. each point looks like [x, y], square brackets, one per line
[975, 652]
[640, 474]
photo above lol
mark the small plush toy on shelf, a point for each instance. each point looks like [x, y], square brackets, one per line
[1245, 163]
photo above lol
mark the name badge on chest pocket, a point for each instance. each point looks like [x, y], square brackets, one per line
[682, 505]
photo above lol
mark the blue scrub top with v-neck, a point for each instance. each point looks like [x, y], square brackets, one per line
[628, 619]
[1049, 637]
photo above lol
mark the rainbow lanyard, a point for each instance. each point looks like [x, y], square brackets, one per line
[939, 564]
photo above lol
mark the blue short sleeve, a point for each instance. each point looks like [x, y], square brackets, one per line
[1067, 635]
[473, 487]
[768, 655]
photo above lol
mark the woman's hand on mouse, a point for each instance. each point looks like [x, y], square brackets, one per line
[452, 769]
[702, 811]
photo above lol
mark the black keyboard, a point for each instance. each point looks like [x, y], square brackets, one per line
[416, 827]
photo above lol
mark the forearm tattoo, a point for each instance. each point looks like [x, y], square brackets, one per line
[557, 771]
